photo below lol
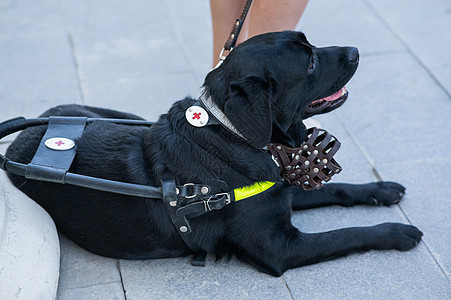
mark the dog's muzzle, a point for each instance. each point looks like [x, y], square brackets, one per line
[310, 164]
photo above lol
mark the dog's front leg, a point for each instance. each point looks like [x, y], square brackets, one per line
[375, 193]
[260, 232]
[308, 249]
[275, 253]
[273, 245]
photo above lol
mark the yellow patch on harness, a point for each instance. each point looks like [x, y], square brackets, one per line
[252, 190]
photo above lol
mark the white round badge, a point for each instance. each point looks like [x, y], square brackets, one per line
[196, 116]
[59, 143]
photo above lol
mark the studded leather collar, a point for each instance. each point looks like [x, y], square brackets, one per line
[205, 112]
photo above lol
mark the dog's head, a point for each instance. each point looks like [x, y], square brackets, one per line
[271, 82]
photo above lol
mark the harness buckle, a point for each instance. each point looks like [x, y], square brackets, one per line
[228, 199]
[190, 196]
[216, 197]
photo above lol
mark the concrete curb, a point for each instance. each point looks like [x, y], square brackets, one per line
[29, 247]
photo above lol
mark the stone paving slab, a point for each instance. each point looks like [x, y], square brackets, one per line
[192, 29]
[427, 203]
[111, 45]
[151, 95]
[75, 261]
[36, 72]
[346, 23]
[177, 279]
[423, 27]
[398, 115]
[36, 63]
[31, 18]
[84, 274]
[371, 276]
[112, 291]
[410, 144]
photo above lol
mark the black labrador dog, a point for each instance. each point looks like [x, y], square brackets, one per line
[265, 87]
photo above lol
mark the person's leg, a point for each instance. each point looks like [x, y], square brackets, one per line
[268, 16]
[223, 15]
[264, 16]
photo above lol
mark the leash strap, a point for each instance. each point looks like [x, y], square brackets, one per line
[233, 36]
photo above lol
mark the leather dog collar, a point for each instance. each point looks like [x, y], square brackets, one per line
[205, 112]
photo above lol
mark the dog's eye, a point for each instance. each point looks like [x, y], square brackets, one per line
[312, 64]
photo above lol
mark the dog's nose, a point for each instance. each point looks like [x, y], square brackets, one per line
[353, 55]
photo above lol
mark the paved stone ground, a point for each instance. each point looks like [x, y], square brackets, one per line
[140, 56]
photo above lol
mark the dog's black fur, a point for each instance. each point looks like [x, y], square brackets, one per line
[264, 87]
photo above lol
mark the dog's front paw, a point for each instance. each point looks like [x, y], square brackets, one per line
[385, 193]
[396, 236]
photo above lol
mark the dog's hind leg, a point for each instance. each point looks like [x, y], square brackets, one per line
[376, 193]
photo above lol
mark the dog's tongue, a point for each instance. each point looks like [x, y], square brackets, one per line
[336, 95]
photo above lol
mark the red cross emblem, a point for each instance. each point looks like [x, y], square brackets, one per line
[59, 143]
[196, 116]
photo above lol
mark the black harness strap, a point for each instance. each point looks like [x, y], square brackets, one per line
[180, 222]
[50, 164]
[190, 201]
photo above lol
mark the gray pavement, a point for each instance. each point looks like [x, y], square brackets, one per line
[140, 56]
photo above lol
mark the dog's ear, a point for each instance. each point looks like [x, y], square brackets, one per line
[248, 107]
